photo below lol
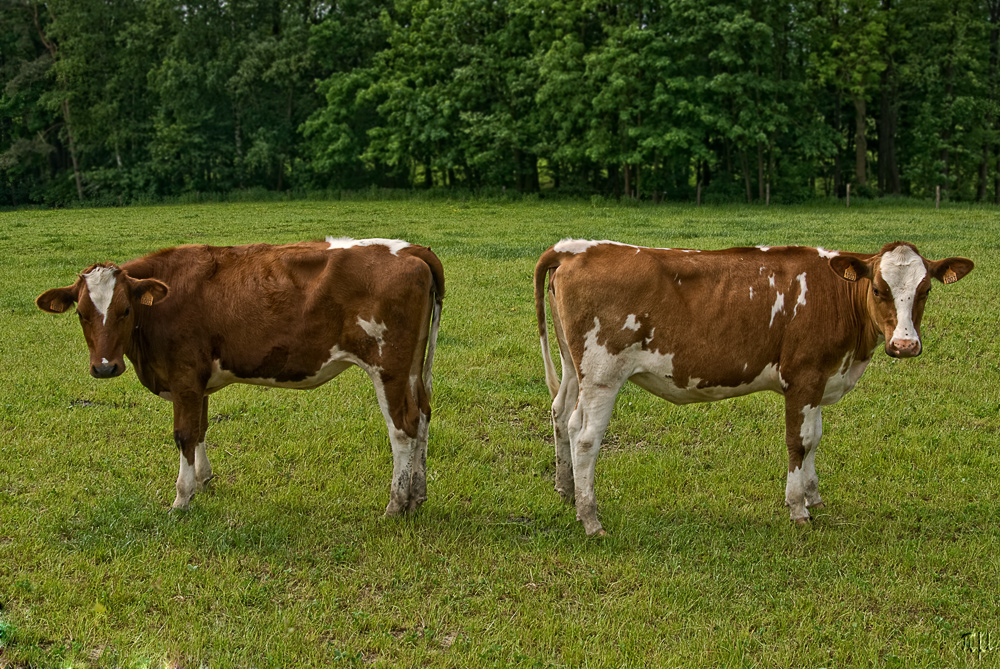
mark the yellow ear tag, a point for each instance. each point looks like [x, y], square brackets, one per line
[950, 276]
[147, 299]
[850, 274]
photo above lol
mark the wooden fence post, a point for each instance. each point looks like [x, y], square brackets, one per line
[937, 198]
[848, 195]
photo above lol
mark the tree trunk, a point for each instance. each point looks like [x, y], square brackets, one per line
[860, 143]
[72, 150]
[888, 169]
[628, 181]
[746, 174]
[760, 171]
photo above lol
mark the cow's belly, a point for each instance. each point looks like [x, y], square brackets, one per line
[337, 363]
[664, 386]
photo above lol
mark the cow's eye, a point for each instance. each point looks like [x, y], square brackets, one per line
[127, 311]
[876, 293]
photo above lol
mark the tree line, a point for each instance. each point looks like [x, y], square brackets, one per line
[118, 101]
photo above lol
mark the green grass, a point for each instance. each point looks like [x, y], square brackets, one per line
[288, 561]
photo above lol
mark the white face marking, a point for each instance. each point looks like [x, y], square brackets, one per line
[374, 330]
[779, 305]
[764, 248]
[801, 300]
[903, 270]
[394, 245]
[104, 361]
[101, 286]
[751, 292]
[631, 323]
[770, 280]
[823, 253]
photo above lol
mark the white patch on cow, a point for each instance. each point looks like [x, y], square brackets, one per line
[101, 286]
[764, 248]
[581, 245]
[770, 280]
[823, 253]
[105, 361]
[394, 245]
[795, 494]
[778, 306]
[374, 330]
[801, 300]
[202, 467]
[751, 292]
[903, 269]
[844, 380]
[631, 323]
[186, 483]
[687, 250]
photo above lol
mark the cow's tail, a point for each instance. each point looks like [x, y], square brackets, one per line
[437, 295]
[547, 263]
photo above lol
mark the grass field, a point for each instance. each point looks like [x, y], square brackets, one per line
[288, 562]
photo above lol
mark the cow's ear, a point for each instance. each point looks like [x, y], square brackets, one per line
[950, 270]
[57, 300]
[850, 268]
[148, 291]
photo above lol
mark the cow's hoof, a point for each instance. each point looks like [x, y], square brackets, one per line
[801, 522]
[819, 505]
[598, 534]
[204, 485]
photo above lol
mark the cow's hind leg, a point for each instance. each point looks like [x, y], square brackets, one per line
[202, 467]
[403, 420]
[586, 431]
[418, 478]
[563, 406]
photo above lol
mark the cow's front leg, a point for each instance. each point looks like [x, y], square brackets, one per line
[202, 467]
[803, 430]
[188, 408]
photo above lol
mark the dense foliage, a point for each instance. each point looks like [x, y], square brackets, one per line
[130, 100]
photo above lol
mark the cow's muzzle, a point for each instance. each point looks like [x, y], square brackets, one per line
[903, 348]
[106, 370]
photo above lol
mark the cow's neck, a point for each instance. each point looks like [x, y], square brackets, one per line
[869, 334]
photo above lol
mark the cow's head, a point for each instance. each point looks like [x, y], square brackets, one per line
[106, 300]
[899, 282]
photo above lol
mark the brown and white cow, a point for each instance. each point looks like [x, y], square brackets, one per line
[194, 319]
[697, 326]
